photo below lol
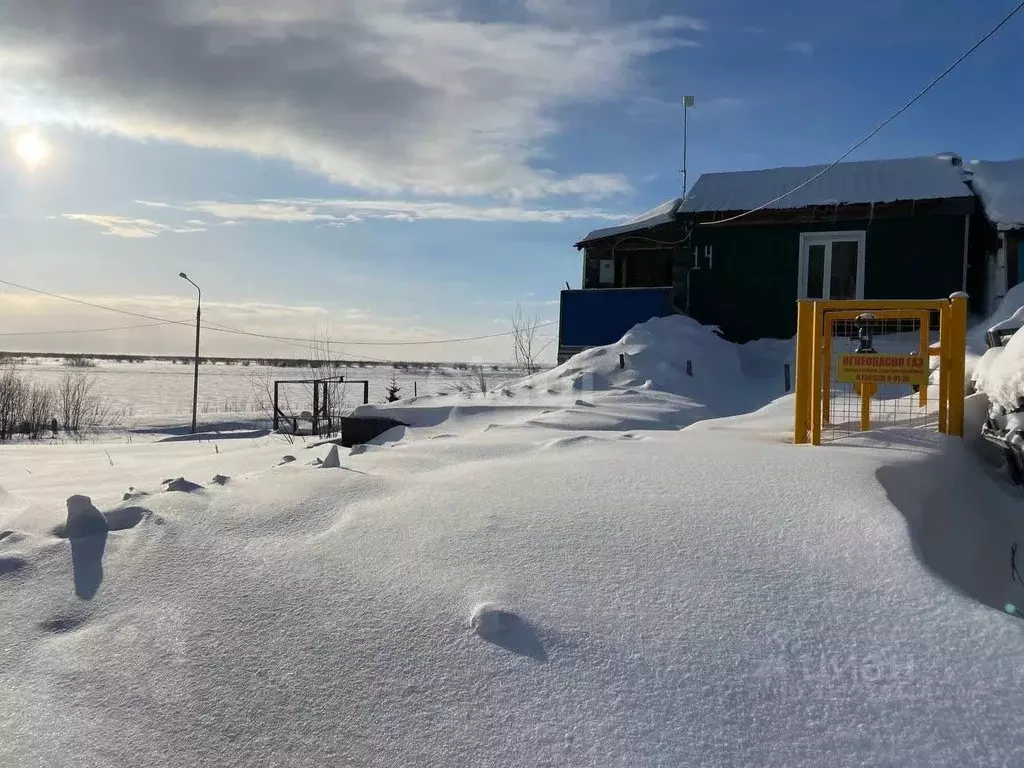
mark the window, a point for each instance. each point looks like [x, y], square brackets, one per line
[648, 268]
[831, 265]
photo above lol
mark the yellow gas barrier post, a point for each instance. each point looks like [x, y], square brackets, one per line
[925, 345]
[817, 372]
[957, 352]
[804, 382]
[815, 320]
[944, 363]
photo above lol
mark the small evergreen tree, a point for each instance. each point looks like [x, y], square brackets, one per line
[391, 394]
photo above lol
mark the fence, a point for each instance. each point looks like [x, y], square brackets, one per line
[327, 395]
[864, 364]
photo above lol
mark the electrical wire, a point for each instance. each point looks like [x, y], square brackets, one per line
[877, 130]
[86, 330]
[272, 337]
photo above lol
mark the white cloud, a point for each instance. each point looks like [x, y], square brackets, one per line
[384, 95]
[801, 46]
[340, 212]
[27, 313]
[127, 226]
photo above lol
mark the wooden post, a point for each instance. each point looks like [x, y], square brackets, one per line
[277, 420]
[689, 367]
[785, 377]
[314, 426]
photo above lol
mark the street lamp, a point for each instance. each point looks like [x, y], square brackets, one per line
[195, 380]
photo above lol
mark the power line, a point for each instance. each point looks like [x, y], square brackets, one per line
[884, 123]
[87, 330]
[84, 303]
[348, 342]
[268, 336]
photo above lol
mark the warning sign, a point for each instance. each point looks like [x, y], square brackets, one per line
[883, 369]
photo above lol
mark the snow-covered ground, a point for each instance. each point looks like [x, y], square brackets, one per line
[597, 566]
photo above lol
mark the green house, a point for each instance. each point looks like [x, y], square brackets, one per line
[742, 247]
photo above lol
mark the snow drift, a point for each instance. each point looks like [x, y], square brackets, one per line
[666, 373]
[674, 354]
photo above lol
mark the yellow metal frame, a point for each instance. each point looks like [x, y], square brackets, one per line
[815, 324]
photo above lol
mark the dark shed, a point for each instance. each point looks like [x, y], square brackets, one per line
[879, 229]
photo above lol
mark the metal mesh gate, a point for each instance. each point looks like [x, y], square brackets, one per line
[868, 364]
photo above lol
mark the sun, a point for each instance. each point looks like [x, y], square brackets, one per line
[31, 148]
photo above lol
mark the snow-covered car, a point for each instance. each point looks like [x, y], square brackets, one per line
[1000, 375]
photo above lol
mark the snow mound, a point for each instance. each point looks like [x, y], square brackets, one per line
[133, 493]
[1008, 310]
[675, 354]
[181, 485]
[1000, 373]
[332, 460]
[83, 518]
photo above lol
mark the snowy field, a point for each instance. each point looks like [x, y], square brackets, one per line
[595, 566]
[164, 388]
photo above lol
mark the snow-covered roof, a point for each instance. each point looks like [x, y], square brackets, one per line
[1000, 184]
[869, 181]
[663, 214]
[866, 181]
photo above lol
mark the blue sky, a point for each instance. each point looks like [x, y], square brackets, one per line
[411, 169]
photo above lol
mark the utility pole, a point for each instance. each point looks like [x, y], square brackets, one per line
[688, 101]
[195, 378]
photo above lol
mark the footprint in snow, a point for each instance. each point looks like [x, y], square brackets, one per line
[12, 564]
[220, 480]
[566, 442]
[506, 630]
[85, 520]
[133, 493]
[59, 625]
[11, 536]
[286, 459]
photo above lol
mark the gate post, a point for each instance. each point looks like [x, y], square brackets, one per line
[802, 398]
[817, 372]
[945, 360]
[957, 352]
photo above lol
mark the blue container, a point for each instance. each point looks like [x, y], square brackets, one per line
[593, 318]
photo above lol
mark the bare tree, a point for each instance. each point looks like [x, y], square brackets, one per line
[526, 346]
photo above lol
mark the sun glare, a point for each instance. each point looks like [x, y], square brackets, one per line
[31, 148]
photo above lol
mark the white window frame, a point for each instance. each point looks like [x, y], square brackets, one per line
[807, 239]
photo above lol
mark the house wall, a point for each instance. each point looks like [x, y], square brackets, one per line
[748, 286]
